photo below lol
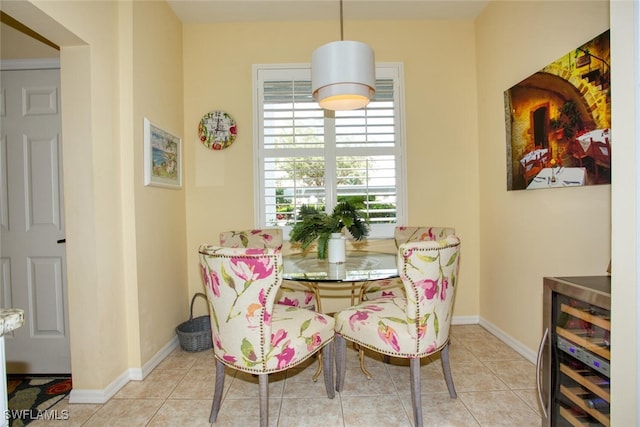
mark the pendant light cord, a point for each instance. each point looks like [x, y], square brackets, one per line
[341, 23]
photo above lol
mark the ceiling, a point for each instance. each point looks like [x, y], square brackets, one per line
[200, 11]
[211, 11]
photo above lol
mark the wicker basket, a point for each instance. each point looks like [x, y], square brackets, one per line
[195, 334]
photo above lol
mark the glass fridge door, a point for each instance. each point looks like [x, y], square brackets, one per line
[580, 363]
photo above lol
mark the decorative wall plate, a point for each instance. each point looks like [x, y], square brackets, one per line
[217, 130]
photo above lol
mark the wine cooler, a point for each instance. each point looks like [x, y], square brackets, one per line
[575, 351]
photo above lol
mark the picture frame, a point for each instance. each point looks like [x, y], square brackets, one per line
[162, 157]
[558, 121]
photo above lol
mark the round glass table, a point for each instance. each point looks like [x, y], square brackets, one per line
[359, 269]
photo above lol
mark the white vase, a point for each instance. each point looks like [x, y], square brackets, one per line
[337, 271]
[337, 248]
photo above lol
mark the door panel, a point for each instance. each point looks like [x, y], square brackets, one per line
[42, 184]
[33, 275]
[45, 290]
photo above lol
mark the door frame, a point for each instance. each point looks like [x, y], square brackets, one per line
[29, 64]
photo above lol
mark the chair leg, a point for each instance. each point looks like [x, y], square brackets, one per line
[327, 367]
[315, 376]
[416, 394]
[446, 368]
[217, 394]
[362, 367]
[341, 355]
[263, 380]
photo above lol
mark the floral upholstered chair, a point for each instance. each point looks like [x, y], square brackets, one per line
[413, 327]
[402, 234]
[250, 332]
[420, 234]
[265, 238]
[291, 293]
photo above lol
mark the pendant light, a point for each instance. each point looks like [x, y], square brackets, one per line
[343, 73]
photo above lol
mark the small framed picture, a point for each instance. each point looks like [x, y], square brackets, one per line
[162, 157]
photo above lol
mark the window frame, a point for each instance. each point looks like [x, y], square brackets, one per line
[392, 71]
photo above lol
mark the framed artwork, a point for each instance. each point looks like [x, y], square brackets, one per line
[162, 157]
[558, 122]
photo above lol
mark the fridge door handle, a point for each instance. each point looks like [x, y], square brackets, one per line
[538, 369]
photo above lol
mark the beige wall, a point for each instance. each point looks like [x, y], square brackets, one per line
[123, 275]
[93, 183]
[441, 128]
[18, 45]
[160, 216]
[126, 251]
[526, 235]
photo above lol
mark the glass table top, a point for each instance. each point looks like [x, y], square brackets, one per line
[359, 267]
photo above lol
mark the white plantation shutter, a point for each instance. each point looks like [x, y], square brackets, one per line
[306, 155]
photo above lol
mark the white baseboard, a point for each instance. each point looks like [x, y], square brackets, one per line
[99, 396]
[135, 374]
[499, 333]
[528, 354]
[139, 374]
[465, 320]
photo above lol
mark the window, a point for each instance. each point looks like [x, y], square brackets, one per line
[306, 155]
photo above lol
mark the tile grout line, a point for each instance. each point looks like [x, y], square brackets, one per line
[169, 394]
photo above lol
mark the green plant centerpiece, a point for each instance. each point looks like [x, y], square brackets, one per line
[317, 225]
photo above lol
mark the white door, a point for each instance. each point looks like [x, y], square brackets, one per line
[33, 264]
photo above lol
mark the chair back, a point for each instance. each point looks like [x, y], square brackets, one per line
[404, 234]
[602, 152]
[429, 272]
[532, 167]
[241, 286]
[258, 238]
[292, 294]
[545, 159]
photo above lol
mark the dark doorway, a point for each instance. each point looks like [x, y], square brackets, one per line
[540, 118]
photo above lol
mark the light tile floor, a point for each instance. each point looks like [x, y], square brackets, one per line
[495, 385]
